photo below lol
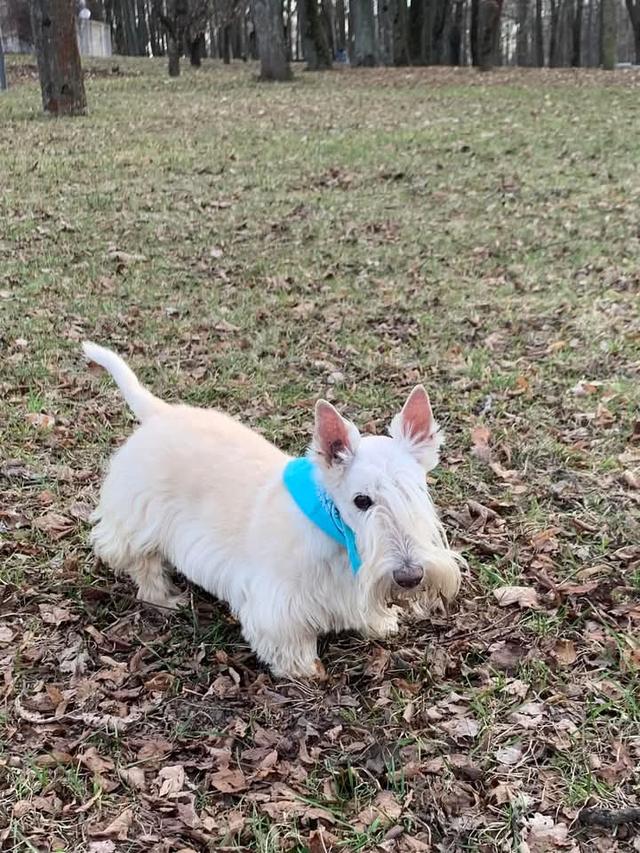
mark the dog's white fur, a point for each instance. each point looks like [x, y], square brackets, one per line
[198, 490]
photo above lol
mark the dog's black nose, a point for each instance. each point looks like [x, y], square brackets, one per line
[409, 576]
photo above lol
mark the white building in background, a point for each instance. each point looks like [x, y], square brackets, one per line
[94, 37]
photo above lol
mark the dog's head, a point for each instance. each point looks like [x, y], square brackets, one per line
[378, 484]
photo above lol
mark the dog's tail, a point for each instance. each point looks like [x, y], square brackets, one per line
[141, 401]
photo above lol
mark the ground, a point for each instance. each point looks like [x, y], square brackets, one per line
[253, 247]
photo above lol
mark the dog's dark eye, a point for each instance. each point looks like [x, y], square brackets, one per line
[363, 502]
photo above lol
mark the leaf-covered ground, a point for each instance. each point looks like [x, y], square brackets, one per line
[253, 248]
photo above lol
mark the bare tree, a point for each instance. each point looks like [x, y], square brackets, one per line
[633, 7]
[456, 33]
[576, 34]
[608, 34]
[522, 36]
[537, 36]
[3, 72]
[364, 33]
[341, 26]
[315, 40]
[56, 43]
[489, 12]
[175, 20]
[399, 40]
[554, 39]
[272, 48]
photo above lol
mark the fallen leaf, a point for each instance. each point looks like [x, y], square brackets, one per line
[81, 511]
[462, 727]
[508, 475]
[577, 588]
[6, 634]
[161, 682]
[54, 615]
[506, 656]
[524, 596]
[509, 755]
[631, 479]
[543, 834]
[118, 828]
[153, 749]
[583, 388]
[54, 525]
[565, 652]
[124, 257]
[228, 781]
[521, 386]
[21, 808]
[134, 777]
[40, 420]
[480, 436]
[186, 808]
[101, 847]
[384, 808]
[92, 759]
[171, 780]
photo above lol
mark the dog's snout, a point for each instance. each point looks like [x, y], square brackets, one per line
[408, 576]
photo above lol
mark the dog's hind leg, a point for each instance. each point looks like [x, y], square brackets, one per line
[147, 570]
[154, 586]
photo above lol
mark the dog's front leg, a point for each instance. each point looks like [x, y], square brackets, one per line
[382, 622]
[290, 649]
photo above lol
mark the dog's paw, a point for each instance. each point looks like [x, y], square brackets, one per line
[165, 603]
[320, 671]
[384, 626]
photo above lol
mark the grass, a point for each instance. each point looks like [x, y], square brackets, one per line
[254, 247]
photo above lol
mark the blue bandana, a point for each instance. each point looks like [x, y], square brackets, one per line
[300, 481]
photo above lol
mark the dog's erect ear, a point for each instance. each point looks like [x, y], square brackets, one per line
[334, 439]
[416, 426]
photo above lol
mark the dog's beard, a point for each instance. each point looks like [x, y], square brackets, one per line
[411, 532]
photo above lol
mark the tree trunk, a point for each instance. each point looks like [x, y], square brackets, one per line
[538, 36]
[364, 32]
[3, 72]
[633, 8]
[142, 29]
[175, 23]
[576, 34]
[56, 44]
[267, 15]
[553, 33]
[315, 44]
[426, 33]
[126, 30]
[399, 42]
[328, 22]
[414, 35]
[455, 33]
[155, 34]
[341, 26]
[439, 23]
[522, 37]
[197, 49]
[488, 29]
[608, 34]
[225, 43]
[173, 53]
[385, 31]
[474, 31]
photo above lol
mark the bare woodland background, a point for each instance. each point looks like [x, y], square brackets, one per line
[552, 33]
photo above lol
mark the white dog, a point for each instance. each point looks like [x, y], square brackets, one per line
[298, 547]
